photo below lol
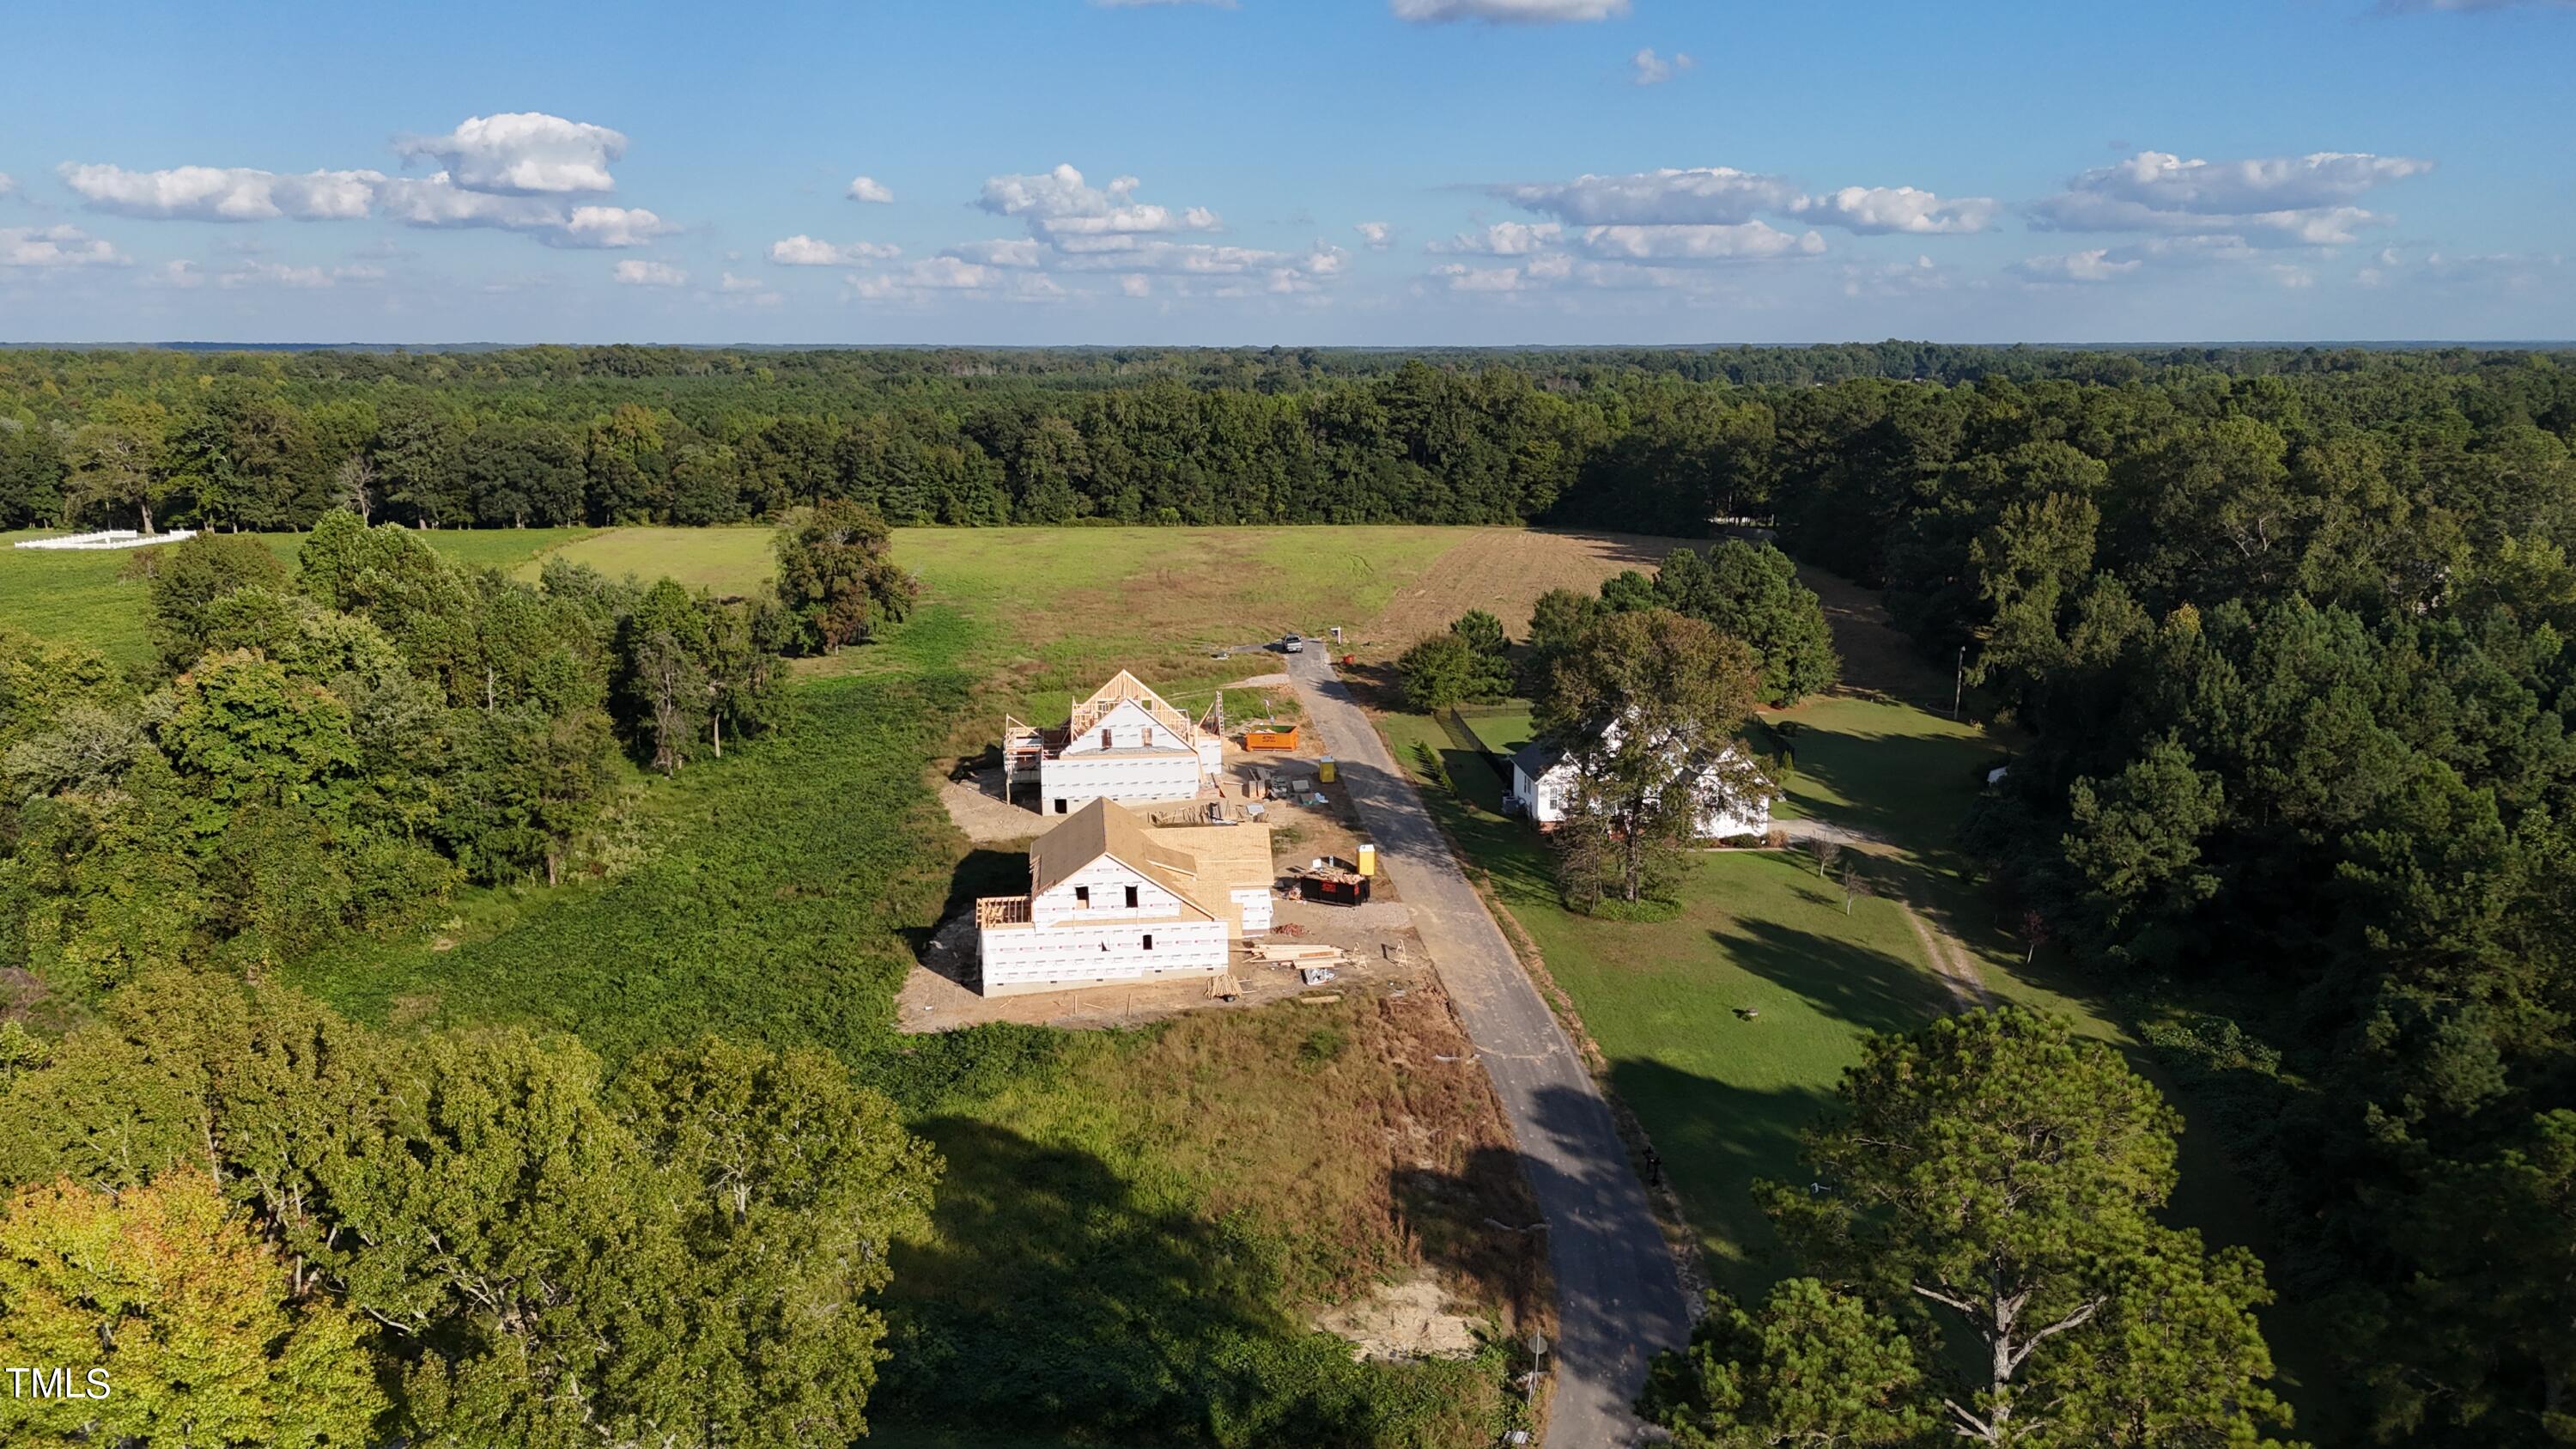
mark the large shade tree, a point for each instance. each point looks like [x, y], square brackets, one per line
[1647, 705]
[160, 1316]
[836, 572]
[1999, 1182]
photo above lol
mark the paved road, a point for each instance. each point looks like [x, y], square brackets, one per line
[1619, 1295]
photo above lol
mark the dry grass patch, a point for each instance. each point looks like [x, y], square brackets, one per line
[1504, 570]
[1337, 1128]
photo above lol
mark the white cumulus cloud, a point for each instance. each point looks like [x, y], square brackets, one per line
[806, 251]
[1878, 209]
[1699, 195]
[437, 202]
[1506, 12]
[1378, 234]
[1649, 69]
[2308, 200]
[636, 272]
[514, 172]
[223, 193]
[1059, 204]
[1503, 239]
[1005, 252]
[1752, 240]
[1463, 278]
[868, 188]
[2095, 264]
[612, 226]
[47, 247]
[954, 276]
[522, 153]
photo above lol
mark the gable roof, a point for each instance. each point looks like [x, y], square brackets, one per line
[1121, 688]
[1537, 757]
[1105, 828]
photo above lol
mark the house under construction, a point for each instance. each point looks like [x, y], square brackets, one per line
[1113, 899]
[1124, 743]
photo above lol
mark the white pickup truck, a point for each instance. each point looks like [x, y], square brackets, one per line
[1292, 644]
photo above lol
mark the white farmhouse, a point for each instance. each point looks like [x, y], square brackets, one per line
[1543, 782]
[1111, 899]
[1123, 743]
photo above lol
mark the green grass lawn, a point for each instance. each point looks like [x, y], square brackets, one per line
[1909, 776]
[1501, 728]
[1721, 1096]
[73, 596]
[506, 549]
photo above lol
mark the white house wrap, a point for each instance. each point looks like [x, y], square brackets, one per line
[1123, 743]
[1111, 900]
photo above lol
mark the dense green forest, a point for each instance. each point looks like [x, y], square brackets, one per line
[1650, 440]
[2288, 630]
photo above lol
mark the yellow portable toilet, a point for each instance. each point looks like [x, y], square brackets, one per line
[1368, 860]
[1324, 769]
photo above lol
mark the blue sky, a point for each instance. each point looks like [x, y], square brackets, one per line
[1381, 172]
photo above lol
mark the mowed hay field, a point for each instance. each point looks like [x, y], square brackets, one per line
[1062, 607]
[1061, 600]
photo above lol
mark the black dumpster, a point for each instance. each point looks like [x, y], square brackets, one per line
[1340, 888]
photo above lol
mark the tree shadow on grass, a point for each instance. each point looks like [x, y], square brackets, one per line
[1716, 1139]
[1845, 980]
[1049, 1298]
[1888, 785]
[1375, 684]
[1503, 847]
[1475, 1225]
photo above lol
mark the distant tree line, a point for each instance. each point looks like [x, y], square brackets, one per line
[1833, 440]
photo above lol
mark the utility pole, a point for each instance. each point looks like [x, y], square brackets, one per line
[1959, 682]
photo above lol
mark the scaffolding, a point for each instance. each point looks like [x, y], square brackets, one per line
[1027, 747]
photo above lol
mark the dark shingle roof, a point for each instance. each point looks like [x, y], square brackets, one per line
[1537, 758]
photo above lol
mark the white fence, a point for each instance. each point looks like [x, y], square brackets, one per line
[109, 538]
